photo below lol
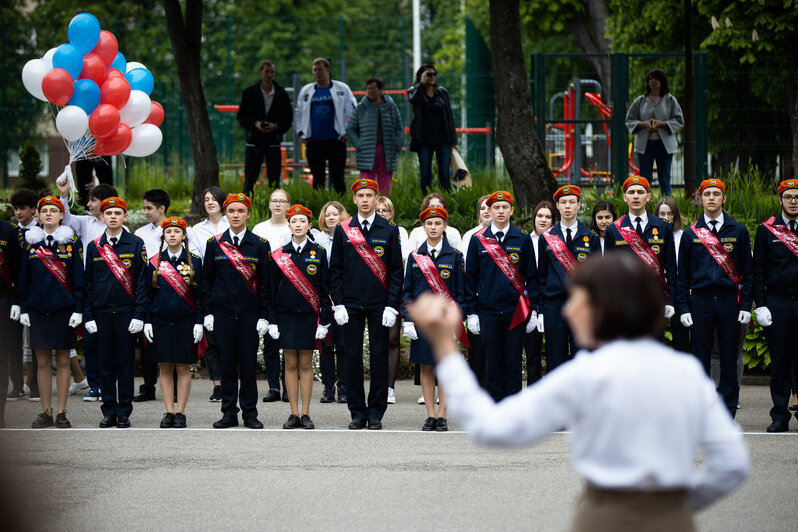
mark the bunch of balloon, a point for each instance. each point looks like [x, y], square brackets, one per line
[105, 106]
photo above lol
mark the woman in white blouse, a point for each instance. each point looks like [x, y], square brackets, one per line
[640, 476]
[667, 209]
[544, 217]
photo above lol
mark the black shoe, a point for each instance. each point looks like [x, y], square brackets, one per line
[781, 425]
[793, 408]
[293, 422]
[441, 425]
[123, 422]
[216, 396]
[253, 423]
[15, 395]
[42, 420]
[108, 422]
[329, 395]
[357, 424]
[61, 421]
[341, 393]
[429, 424]
[375, 424]
[272, 396]
[226, 422]
[144, 396]
[307, 423]
[168, 421]
[285, 396]
[180, 420]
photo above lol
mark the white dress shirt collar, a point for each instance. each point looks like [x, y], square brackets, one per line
[643, 220]
[574, 228]
[494, 229]
[302, 244]
[707, 219]
[239, 235]
[370, 219]
[437, 248]
[787, 220]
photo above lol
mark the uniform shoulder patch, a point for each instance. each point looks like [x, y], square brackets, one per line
[392, 223]
[14, 225]
[194, 256]
[211, 239]
[74, 239]
[525, 231]
[263, 239]
[595, 233]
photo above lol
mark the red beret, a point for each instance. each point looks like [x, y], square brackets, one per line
[433, 212]
[365, 183]
[499, 195]
[636, 180]
[107, 203]
[299, 209]
[174, 221]
[707, 183]
[567, 190]
[784, 185]
[232, 198]
[50, 200]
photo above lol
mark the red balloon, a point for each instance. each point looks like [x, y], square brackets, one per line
[156, 114]
[115, 143]
[107, 47]
[57, 86]
[104, 121]
[93, 68]
[113, 73]
[115, 91]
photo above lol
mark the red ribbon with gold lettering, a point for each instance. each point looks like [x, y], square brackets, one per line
[787, 237]
[642, 250]
[561, 251]
[117, 268]
[724, 260]
[507, 267]
[301, 283]
[433, 277]
[54, 266]
[365, 251]
[240, 263]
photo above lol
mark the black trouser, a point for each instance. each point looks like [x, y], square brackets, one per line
[237, 339]
[10, 349]
[502, 354]
[212, 357]
[782, 337]
[149, 368]
[378, 361]
[83, 175]
[253, 157]
[332, 356]
[271, 359]
[680, 335]
[116, 350]
[331, 153]
[558, 336]
[533, 346]
[476, 357]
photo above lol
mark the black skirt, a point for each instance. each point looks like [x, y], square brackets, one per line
[51, 330]
[421, 352]
[297, 330]
[173, 342]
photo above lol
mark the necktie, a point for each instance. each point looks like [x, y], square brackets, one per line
[174, 261]
[792, 226]
[365, 226]
[114, 240]
[299, 250]
[432, 254]
[499, 236]
[235, 241]
[49, 241]
[714, 227]
[639, 228]
[568, 240]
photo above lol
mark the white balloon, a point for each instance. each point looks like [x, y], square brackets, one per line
[48, 57]
[72, 122]
[32, 74]
[146, 139]
[137, 109]
[132, 65]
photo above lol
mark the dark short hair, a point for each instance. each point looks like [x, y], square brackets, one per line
[659, 74]
[546, 204]
[434, 195]
[322, 61]
[158, 197]
[218, 195]
[421, 70]
[625, 296]
[378, 81]
[103, 191]
[598, 207]
[670, 202]
[264, 63]
[24, 197]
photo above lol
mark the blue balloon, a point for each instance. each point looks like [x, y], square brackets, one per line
[120, 63]
[86, 95]
[84, 32]
[70, 59]
[140, 79]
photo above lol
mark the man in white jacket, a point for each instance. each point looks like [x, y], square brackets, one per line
[322, 111]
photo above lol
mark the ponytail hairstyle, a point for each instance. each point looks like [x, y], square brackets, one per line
[157, 271]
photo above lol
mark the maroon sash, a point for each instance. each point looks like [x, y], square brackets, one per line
[117, 268]
[5, 271]
[561, 252]
[301, 283]
[786, 236]
[365, 251]
[55, 266]
[240, 263]
[713, 246]
[433, 277]
[507, 267]
[642, 250]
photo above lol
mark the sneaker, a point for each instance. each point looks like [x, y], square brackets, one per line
[329, 395]
[43, 420]
[61, 421]
[341, 393]
[391, 396]
[92, 395]
[15, 395]
[421, 399]
[76, 387]
[34, 396]
[26, 389]
[216, 396]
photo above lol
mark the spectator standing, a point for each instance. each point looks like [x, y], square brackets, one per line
[667, 209]
[544, 219]
[86, 169]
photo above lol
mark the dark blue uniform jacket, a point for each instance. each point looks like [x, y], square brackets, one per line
[11, 249]
[553, 278]
[450, 267]
[775, 266]
[312, 262]
[164, 303]
[41, 290]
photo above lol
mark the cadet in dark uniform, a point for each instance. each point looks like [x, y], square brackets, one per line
[445, 269]
[51, 284]
[235, 293]
[174, 316]
[495, 302]
[115, 304]
[707, 297]
[656, 235]
[10, 329]
[776, 296]
[366, 283]
[574, 242]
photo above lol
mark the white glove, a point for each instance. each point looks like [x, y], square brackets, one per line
[409, 330]
[135, 326]
[24, 319]
[389, 317]
[274, 331]
[340, 314]
[669, 312]
[75, 319]
[472, 322]
[321, 331]
[532, 324]
[208, 322]
[14, 314]
[262, 327]
[148, 332]
[540, 323]
[686, 319]
[198, 333]
[744, 317]
[763, 316]
[91, 327]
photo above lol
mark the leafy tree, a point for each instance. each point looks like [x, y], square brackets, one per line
[30, 168]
